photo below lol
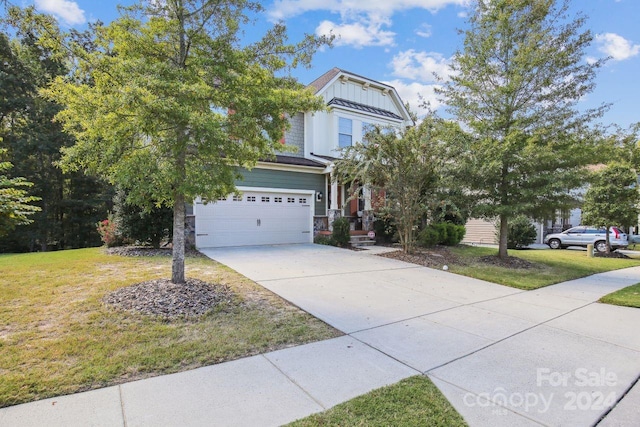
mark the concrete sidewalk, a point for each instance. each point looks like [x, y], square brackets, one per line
[501, 356]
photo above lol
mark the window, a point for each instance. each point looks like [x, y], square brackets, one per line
[237, 198]
[277, 199]
[265, 199]
[301, 200]
[251, 198]
[345, 132]
[291, 199]
[366, 128]
[222, 199]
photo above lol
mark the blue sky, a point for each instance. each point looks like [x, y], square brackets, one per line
[403, 42]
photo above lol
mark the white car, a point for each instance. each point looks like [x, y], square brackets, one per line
[582, 236]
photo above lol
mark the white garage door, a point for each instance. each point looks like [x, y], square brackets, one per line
[255, 218]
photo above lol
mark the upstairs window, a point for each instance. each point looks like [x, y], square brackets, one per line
[345, 132]
[366, 128]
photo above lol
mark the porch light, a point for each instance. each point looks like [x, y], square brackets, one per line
[319, 196]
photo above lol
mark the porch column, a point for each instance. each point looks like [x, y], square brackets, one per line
[334, 194]
[367, 213]
[333, 211]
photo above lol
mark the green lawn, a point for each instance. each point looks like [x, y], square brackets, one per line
[629, 297]
[56, 336]
[550, 266]
[412, 402]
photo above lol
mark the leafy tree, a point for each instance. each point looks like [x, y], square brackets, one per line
[515, 87]
[612, 198]
[406, 167]
[167, 103]
[71, 203]
[15, 203]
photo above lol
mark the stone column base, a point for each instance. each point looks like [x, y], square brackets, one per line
[367, 220]
[333, 215]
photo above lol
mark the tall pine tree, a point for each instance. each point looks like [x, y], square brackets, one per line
[515, 87]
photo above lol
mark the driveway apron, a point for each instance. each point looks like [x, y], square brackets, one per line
[502, 356]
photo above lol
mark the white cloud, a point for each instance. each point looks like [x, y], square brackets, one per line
[424, 30]
[68, 11]
[421, 66]
[358, 34]
[361, 22]
[416, 94]
[283, 9]
[591, 60]
[616, 46]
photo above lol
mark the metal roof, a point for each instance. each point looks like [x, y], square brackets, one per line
[366, 108]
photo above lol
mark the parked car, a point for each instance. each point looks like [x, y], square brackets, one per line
[582, 236]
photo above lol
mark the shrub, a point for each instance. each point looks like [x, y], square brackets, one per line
[455, 234]
[150, 226]
[108, 230]
[321, 239]
[385, 229]
[428, 237]
[341, 232]
[521, 233]
[442, 233]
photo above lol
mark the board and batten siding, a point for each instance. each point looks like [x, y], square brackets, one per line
[354, 91]
[266, 178]
[480, 231]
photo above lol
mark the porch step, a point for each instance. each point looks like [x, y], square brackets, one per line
[361, 240]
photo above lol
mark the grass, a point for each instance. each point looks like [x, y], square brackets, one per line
[415, 401]
[56, 336]
[628, 297]
[550, 266]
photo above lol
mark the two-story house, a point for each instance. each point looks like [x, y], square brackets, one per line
[287, 199]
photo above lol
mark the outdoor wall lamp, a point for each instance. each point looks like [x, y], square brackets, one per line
[319, 196]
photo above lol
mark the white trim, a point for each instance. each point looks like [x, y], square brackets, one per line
[288, 168]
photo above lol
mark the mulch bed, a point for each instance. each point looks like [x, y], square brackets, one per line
[142, 251]
[610, 255]
[435, 257]
[165, 299]
[161, 297]
[439, 256]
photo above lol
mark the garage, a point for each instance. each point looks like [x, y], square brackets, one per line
[255, 217]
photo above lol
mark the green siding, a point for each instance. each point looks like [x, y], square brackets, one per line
[285, 179]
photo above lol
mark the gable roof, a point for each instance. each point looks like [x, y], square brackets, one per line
[324, 81]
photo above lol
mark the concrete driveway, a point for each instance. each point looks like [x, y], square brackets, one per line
[501, 356]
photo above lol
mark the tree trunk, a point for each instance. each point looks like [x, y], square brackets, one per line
[502, 242]
[177, 266]
[607, 239]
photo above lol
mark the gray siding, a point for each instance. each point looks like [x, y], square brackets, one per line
[295, 136]
[284, 179]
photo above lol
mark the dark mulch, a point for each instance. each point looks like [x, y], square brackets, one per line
[610, 255]
[143, 251]
[165, 299]
[436, 257]
[439, 256]
[508, 262]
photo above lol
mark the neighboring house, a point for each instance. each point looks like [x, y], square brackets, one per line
[288, 199]
[481, 231]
